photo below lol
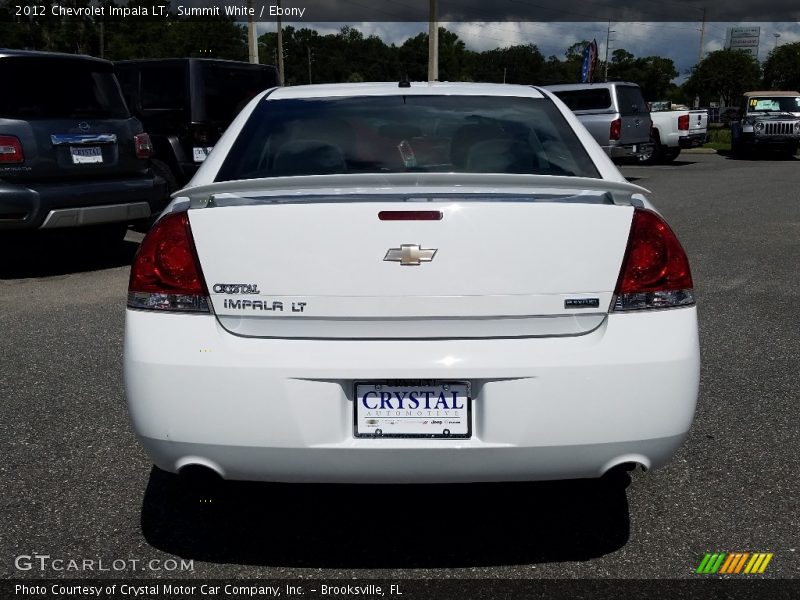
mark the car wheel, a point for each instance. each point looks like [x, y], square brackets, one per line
[654, 155]
[738, 149]
[671, 154]
[105, 235]
[162, 169]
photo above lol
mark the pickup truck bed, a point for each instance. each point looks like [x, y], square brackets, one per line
[674, 130]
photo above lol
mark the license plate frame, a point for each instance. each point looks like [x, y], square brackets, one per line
[86, 155]
[457, 425]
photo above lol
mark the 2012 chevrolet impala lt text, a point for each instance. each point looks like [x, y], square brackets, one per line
[377, 283]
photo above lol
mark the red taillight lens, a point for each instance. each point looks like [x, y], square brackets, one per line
[616, 129]
[144, 147]
[683, 122]
[166, 273]
[655, 271]
[10, 150]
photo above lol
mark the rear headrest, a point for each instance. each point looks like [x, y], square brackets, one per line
[500, 156]
[308, 157]
[468, 135]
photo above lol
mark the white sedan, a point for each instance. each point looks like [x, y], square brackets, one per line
[376, 283]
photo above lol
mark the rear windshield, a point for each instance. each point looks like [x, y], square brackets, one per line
[773, 104]
[396, 134]
[228, 89]
[48, 88]
[631, 101]
[593, 99]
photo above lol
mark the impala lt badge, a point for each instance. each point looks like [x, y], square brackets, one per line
[410, 255]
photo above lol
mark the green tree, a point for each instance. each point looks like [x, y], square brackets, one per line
[653, 74]
[782, 68]
[724, 74]
[522, 64]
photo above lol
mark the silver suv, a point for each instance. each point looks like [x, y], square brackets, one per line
[615, 113]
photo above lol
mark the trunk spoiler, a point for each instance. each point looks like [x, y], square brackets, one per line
[408, 184]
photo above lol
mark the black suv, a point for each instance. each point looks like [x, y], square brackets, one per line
[71, 154]
[187, 103]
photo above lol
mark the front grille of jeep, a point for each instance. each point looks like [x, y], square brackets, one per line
[780, 128]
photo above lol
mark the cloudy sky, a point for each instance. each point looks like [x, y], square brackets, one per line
[679, 41]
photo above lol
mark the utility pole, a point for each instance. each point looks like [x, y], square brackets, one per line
[433, 43]
[609, 31]
[308, 48]
[102, 39]
[702, 36]
[504, 74]
[280, 45]
[252, 38]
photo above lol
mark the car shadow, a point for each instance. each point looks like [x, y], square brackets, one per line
[758, 156]
[387, 526]
[35, 255]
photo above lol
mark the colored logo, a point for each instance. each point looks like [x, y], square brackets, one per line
[734, 563]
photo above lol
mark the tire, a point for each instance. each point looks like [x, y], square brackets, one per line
[741, 150]
[671, 154]
[162, 169]
[654, 156]
[109, 234]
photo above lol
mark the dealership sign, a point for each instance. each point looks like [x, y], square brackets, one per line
[743, 38]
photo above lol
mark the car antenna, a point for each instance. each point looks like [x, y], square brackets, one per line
[404, 82]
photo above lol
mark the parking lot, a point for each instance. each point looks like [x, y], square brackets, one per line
[77, 485]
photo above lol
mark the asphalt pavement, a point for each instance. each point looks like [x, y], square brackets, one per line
[76, 485]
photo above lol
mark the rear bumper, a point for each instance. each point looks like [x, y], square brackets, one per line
[282, 410]
[628, 150]
[32, 205]
[694, 140]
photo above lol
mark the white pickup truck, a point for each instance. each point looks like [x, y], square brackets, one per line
[673, 129]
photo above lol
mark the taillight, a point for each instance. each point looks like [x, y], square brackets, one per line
[166, 272]
[616, 129]
[10, 150]
[655, 271]
[144, 147]
[683, 122]
[201, 135]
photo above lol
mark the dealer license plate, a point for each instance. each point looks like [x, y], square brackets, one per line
[200, 154]
[83, 155]
[413, 409]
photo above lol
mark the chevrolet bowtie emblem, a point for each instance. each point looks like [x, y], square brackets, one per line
[410, 255]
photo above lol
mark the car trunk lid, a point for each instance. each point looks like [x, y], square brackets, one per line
[542, 263]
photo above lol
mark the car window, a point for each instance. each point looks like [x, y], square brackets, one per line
[163, 87]
[228, 89]
[630, 100]
[591, 99]
[57, 88]
[394, 134]
[774, 104]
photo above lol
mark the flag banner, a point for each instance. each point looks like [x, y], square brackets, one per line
[589, 65]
